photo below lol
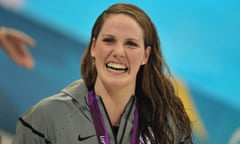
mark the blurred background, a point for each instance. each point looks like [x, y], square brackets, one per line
[200, 41]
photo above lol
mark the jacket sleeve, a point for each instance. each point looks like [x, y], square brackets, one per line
[32, 127]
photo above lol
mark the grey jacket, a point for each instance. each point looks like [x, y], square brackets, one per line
[65, 118]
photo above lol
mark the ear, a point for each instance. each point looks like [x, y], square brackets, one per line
[146, 55]
[93, 47]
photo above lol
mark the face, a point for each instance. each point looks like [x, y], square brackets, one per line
[119, 52]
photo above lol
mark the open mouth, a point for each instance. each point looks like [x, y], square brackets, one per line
[116, 67]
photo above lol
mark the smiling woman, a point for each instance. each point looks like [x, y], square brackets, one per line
[126, 95]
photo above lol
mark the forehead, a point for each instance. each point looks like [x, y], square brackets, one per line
[122, 23]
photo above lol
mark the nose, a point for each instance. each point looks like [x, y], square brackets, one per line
[119, 50]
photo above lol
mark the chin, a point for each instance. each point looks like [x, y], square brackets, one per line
[119, 82]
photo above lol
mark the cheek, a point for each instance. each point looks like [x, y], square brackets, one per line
[135, 60]
[136, 57]
[101, 52]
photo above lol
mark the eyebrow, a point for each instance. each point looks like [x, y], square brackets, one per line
[107, 35]
[110, 35]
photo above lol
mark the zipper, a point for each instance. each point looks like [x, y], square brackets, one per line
[127, 117]
[109, 121]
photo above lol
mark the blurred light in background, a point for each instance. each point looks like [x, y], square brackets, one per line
[13, 4]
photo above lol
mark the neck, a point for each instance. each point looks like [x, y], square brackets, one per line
[115, 99]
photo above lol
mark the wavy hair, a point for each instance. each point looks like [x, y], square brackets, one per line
[159, 108]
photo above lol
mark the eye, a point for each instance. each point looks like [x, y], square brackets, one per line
[131, 44]
[108, 40]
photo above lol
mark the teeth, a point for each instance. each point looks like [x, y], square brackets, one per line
[116, 66]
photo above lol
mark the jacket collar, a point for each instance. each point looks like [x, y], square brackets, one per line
[78, 91]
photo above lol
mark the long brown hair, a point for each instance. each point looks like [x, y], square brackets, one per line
[159, 108]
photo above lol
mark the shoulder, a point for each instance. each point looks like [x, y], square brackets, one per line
[57, 105]
[47, 109]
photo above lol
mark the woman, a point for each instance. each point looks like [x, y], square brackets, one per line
[125, 95]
